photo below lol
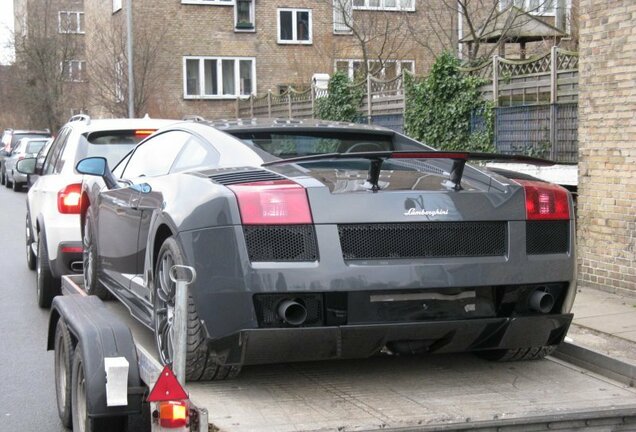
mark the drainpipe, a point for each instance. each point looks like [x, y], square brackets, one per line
[460, 30]
[129, 53]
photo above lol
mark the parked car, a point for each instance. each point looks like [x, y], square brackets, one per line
[39, 163]
[321, 240]
[27, 147]
[10, 139]
[53, 239]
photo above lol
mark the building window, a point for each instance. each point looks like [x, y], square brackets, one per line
[535, 7]
[390, 5]
[294, 26]
[219, 77]
[74, 70]
[391, 68]
[71, 22]
[117, 5]
[244, 15]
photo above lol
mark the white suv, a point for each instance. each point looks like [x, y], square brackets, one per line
[53, 239]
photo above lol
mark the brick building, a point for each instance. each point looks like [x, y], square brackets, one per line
[607, 146]
[212, 51]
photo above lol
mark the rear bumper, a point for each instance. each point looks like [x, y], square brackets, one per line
[261, 346]
[69, 259]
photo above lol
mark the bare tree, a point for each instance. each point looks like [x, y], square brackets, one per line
[108, 70]
[488, 24]
[48, 62]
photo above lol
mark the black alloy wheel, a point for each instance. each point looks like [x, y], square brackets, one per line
[92, 285]
[30, 255]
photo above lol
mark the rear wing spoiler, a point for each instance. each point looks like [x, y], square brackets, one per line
[377, 159]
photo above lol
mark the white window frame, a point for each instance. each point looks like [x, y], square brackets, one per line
[219, 77]
[541, 11]
[209, 2]
[81, 68]
[252, 18]
[382, 7]
[117, 5]
[78, 29]
[351, 62]
[294, 40]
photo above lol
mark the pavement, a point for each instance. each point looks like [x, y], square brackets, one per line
[605, 322]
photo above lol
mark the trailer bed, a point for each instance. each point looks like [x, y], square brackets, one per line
[436, 392]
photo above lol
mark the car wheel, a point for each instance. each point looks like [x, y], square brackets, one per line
[17, 187]
[2, 178]
[7, 183]
[200, 365]
[92, 286]
[30, 255]
[47, 285]
[519, 354]
[81, 421]
[63, 364]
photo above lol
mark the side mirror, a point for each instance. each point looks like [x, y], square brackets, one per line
[26, 166]
[97, 166]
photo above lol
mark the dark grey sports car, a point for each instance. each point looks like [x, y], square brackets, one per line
[317, 240]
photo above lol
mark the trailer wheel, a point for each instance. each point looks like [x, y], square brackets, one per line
[89, 257]
[519, 354]
[81, 421]
[200, 364]
[63, 364]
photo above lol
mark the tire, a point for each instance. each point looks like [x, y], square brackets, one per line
[7, 183]
[63, 364]
[89, 258]
[519, 354]
[81, 421]
[17, 187]
[200, 364]
[48, 286]
[2, 177]
[30, 255]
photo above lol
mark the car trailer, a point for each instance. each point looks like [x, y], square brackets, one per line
[107, 370]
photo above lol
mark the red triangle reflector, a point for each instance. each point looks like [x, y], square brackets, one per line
[167, 388]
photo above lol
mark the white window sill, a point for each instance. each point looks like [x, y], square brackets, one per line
[384, 9]
[287, 42]
[208, 3]
[215, 97]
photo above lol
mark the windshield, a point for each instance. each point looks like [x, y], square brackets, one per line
[35, 146]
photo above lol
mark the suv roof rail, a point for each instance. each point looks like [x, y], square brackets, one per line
[194, 118]
[80, 117]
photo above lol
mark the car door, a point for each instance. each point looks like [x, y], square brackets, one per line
[121, 211]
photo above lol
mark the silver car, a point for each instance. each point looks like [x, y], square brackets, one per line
[27, 147]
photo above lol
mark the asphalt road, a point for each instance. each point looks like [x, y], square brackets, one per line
[27, 388]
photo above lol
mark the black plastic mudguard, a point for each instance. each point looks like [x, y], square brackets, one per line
[102, 335]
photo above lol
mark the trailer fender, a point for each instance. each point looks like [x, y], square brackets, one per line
[102, 335]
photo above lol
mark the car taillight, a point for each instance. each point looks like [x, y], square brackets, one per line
[278, 202]
[69, 199]
[545, 201]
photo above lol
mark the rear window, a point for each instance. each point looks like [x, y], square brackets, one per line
[305, 143]
[35, 146]
[18, 136]
[112, 145]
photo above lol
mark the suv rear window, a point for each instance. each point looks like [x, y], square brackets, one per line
[112, 145]
[18, 136]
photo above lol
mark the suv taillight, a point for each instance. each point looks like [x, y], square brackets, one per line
[69, 199]
[545, 201]
[278, 202]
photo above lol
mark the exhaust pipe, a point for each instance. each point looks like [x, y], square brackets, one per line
[541, 301]
[292, 312]
[77, 266]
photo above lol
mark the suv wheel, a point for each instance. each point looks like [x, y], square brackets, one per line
[30, 255]
[17, 187]
[48, 286]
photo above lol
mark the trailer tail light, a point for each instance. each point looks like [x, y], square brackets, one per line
[277, 202]
[173, 414]
[69, 199]
[545, 201]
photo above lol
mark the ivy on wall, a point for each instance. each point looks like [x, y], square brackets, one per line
[342, 102]
[441, 107]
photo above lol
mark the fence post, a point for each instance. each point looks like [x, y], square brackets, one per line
[495, 80]
[289, 102]
[554, 97]
[312, 89]
[237, 108]
[252, 106]
[369, 111]
[269, 103]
